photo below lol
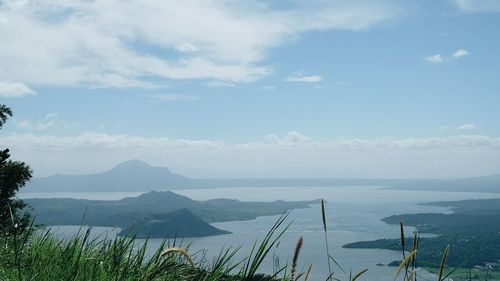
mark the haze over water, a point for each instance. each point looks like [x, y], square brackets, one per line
[353, 214]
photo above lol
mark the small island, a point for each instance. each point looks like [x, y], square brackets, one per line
[155, 214]
[182, 223]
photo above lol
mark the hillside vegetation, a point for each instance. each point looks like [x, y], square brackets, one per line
[472, 231]
[155, 214]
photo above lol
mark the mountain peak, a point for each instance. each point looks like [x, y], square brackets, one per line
[132, 175]
[134, 163]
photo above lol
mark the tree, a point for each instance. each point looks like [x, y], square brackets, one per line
[13, 176]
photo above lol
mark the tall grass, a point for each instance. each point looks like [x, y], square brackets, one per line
[296, 257]
[40, 255]
[409, 262]
[44, 256]
[325, 231]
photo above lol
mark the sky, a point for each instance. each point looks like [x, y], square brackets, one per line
[219, 88]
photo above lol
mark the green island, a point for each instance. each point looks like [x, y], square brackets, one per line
[155, 214]
[472, 231]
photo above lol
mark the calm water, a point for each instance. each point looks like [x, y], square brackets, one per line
[353, 214]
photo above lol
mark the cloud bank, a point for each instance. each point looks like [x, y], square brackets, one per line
[291, 155]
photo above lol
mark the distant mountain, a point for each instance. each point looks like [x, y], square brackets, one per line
[182, 223]
[133, 175]
[138, 176]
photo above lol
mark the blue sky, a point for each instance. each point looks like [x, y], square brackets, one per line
[262, 89]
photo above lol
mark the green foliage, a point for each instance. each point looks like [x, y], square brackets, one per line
[152, 213]
[42, 256]
[13, 176]
[472, 231]
[182, 223]
[5, 113]
[259, 253]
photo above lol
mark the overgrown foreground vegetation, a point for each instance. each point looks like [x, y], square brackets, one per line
[39, 255]
[44, 257]
[32, 254]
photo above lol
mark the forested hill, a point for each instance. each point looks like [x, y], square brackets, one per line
[154, 211]
[472, 231]
[181, 223]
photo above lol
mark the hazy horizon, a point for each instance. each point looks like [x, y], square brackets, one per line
[188, 176]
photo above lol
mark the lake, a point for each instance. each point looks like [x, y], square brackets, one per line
[353, 214]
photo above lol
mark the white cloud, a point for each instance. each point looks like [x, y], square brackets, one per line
[479, 5]
[111, 43]
[291, 155]
[51, 115]
[186, 47]
[467, 126]
[460, 53]
[38, 125]
[172, 97]
[220, 84]
[49, 121]
[435, 58]
[292, 140]
[300, 77]
[14, 89]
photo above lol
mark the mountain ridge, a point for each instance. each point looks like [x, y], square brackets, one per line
[155, 214]
[138, 176]
[132, 175]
